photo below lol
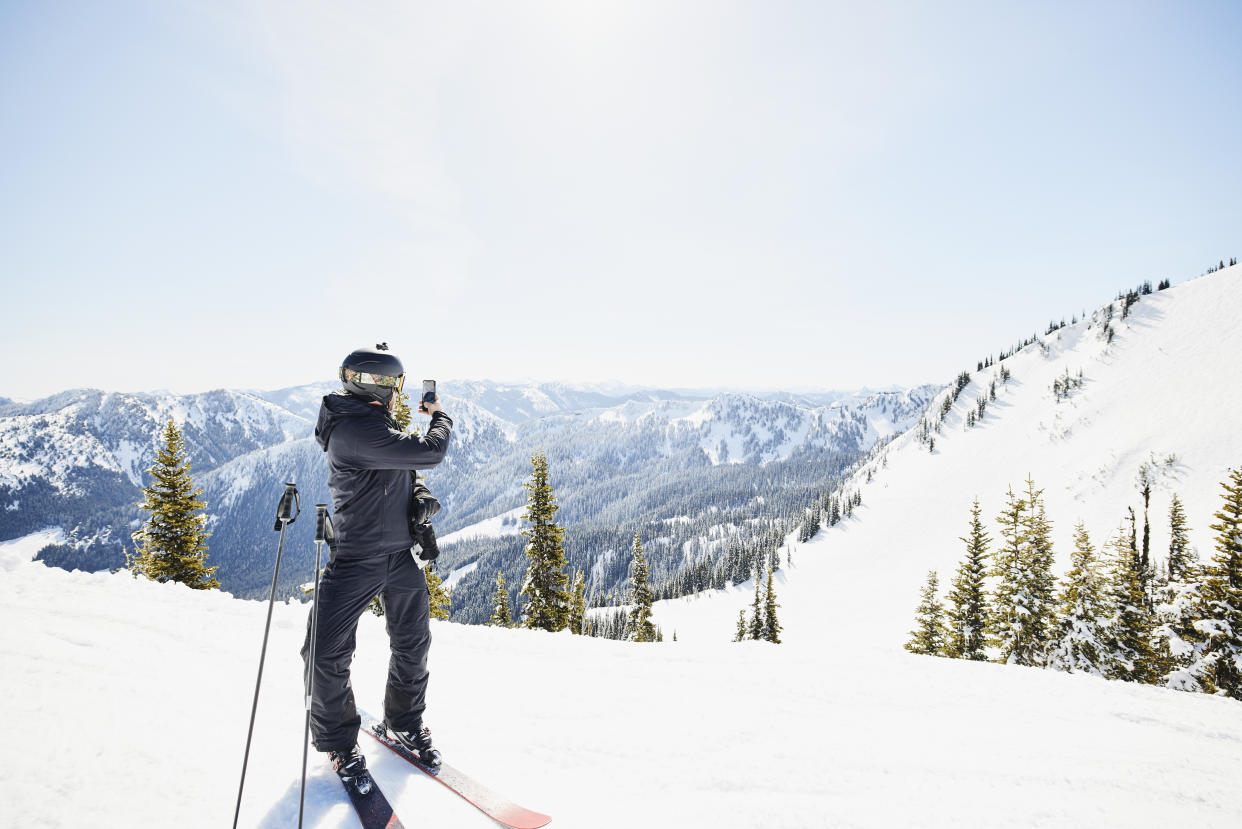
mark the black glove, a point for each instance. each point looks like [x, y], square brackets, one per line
[425, 535]
[423, 506]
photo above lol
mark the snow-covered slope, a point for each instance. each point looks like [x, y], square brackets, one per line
[1164, 393]
[129, 703]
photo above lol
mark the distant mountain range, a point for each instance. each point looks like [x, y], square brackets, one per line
[621, 460]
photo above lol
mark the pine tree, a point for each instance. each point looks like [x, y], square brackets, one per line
[771, 626]
[1182, 561]
[756, 612]
[437, 595]
[928, 636]
[813, 522]
[171, 545]
[577, 603]
[1039, 582]
[401, 411]
[1144, 482]
[1007, 610]
[1222, 597]
[547, 600]
[1130, 630]
[1022, 617]
[1178, 597]
[741, 634]
[502, 616]
[641, 628]
[1081, 631]
[968, 613]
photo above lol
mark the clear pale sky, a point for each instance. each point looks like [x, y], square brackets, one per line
[754, 195]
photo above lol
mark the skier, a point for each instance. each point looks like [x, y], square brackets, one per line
[378, 515]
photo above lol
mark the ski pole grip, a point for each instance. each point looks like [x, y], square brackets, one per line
[290, 506]
[323, 524]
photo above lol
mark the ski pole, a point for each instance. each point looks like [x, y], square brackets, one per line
[323, 533]
[287, 512]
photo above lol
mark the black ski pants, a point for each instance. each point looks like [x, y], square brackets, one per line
[345, 589]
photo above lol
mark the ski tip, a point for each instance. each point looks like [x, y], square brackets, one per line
[519, 818]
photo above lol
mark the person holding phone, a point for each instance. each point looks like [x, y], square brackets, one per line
[378, 510]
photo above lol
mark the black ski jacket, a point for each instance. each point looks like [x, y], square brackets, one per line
[369, 461]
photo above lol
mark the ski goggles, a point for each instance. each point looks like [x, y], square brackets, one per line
[385, 380]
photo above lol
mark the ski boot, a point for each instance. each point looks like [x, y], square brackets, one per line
[351, 767]
[418, 741]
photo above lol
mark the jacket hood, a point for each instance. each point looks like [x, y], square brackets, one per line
[338, 406]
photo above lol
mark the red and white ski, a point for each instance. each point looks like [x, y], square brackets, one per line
[498, 808]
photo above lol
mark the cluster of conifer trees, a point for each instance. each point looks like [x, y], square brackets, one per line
[698, 540]
[1220, 266]
[742, 553]
[1116, 615]
[1127, 298]
[552, 603]
[828, 511]
[763, 625]
[1063, 387]
[930, 425]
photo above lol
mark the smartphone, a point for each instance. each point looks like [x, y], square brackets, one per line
[429, 394]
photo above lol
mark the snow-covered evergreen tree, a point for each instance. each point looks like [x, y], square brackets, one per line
[641, 628]
[1147, 570]
[545, 585]
[1176, 643]
[1006, 619]
[1023, 612]
[928, 636]
[502, 616]
[577, 602]
[756, 612]
[771, 626]
[401, 411]
[437, 595]
[742, 628]
[1081, 643]
[1130, 630]
[1222, 598]
[172, 544]
[1183, 563]
[1039, 582]
[968, 609]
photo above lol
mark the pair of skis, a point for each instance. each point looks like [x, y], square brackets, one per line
[375, 811]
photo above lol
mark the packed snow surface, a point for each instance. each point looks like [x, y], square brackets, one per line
[129, 701]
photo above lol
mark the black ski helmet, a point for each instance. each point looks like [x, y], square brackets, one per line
[372, 373]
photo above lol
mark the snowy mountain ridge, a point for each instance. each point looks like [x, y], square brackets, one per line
[1158, 391]
[73, 430]
[76, 460]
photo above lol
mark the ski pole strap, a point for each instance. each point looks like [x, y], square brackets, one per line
[290, 507]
